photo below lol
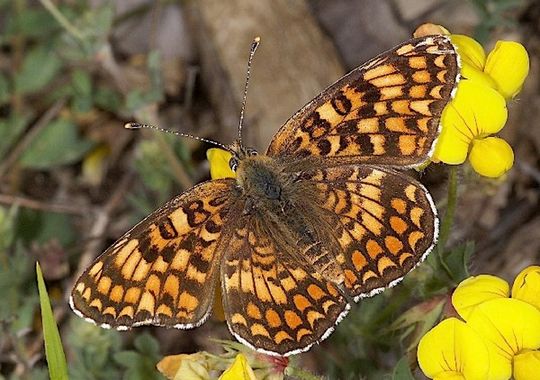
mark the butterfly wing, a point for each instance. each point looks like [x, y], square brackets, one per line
[272, 302]
[164, 270]
[385, 112]
[384, 222]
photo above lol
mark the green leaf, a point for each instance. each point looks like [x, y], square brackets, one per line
[147, 345]
[108, 99]
[17, 278]
[4, 89]
[82, 91]
[39, 67]
[33, 22]
[101, 19]
[10, 130]
[127, 358]
[42, 226]
[457, 261]
[402, 371]
[57, 144]
[81, 82]
[54, 352]
[140, 364]
[91, 351]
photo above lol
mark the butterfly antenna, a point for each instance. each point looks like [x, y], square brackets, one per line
[254, 46]
[140, 126]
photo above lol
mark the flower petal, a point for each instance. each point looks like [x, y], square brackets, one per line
[491, 157]
[508, 65]
[507, 326]
[476, 111]
[452, 145]
[482, 108]
[469, 50]
[239, 370]
[527, 286]
[219, 163]
[477, 289]
[452, 348]
[184, 366]
[526, 365]
[470, 72]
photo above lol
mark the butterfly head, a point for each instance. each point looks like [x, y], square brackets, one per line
[239, 153]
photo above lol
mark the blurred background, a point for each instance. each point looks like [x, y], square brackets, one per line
[72, 179]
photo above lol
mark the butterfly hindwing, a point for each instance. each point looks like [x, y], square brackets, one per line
[164, 271]
[385, 223]
[273, 302]
[386, 111]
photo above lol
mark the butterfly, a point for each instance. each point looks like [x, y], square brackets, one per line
[324, 218]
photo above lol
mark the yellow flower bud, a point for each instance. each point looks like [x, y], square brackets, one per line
[508, 65]
[491, 157]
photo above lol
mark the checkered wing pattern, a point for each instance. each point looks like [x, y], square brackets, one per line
[273, 302]
[386, 111]
[164, 271]
[383, 221]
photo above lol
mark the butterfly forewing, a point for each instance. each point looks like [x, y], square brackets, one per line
[164, 271]
[384, 221]
[386, 111]
[272, 302]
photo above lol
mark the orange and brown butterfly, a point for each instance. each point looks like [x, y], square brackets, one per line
[324, 218]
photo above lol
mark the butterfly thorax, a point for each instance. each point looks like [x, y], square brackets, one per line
[273, 191]
[262, 179]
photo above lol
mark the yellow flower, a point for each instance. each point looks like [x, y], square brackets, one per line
[479, 108]
[453, 350]
[527, 286]
[237, 362]
[239, 370]
[477, 289]
[468, 120]
[505, 68]
[509, 327]
[219, 163]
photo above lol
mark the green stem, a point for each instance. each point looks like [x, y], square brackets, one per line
[55, 12]
[448, 219]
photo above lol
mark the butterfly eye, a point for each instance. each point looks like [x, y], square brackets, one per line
[233, 163]
[251, 152]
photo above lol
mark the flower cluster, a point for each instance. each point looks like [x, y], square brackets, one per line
[478, 110]
[497, 336]
[238, 362]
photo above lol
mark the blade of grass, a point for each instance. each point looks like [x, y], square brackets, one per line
[54, 351]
